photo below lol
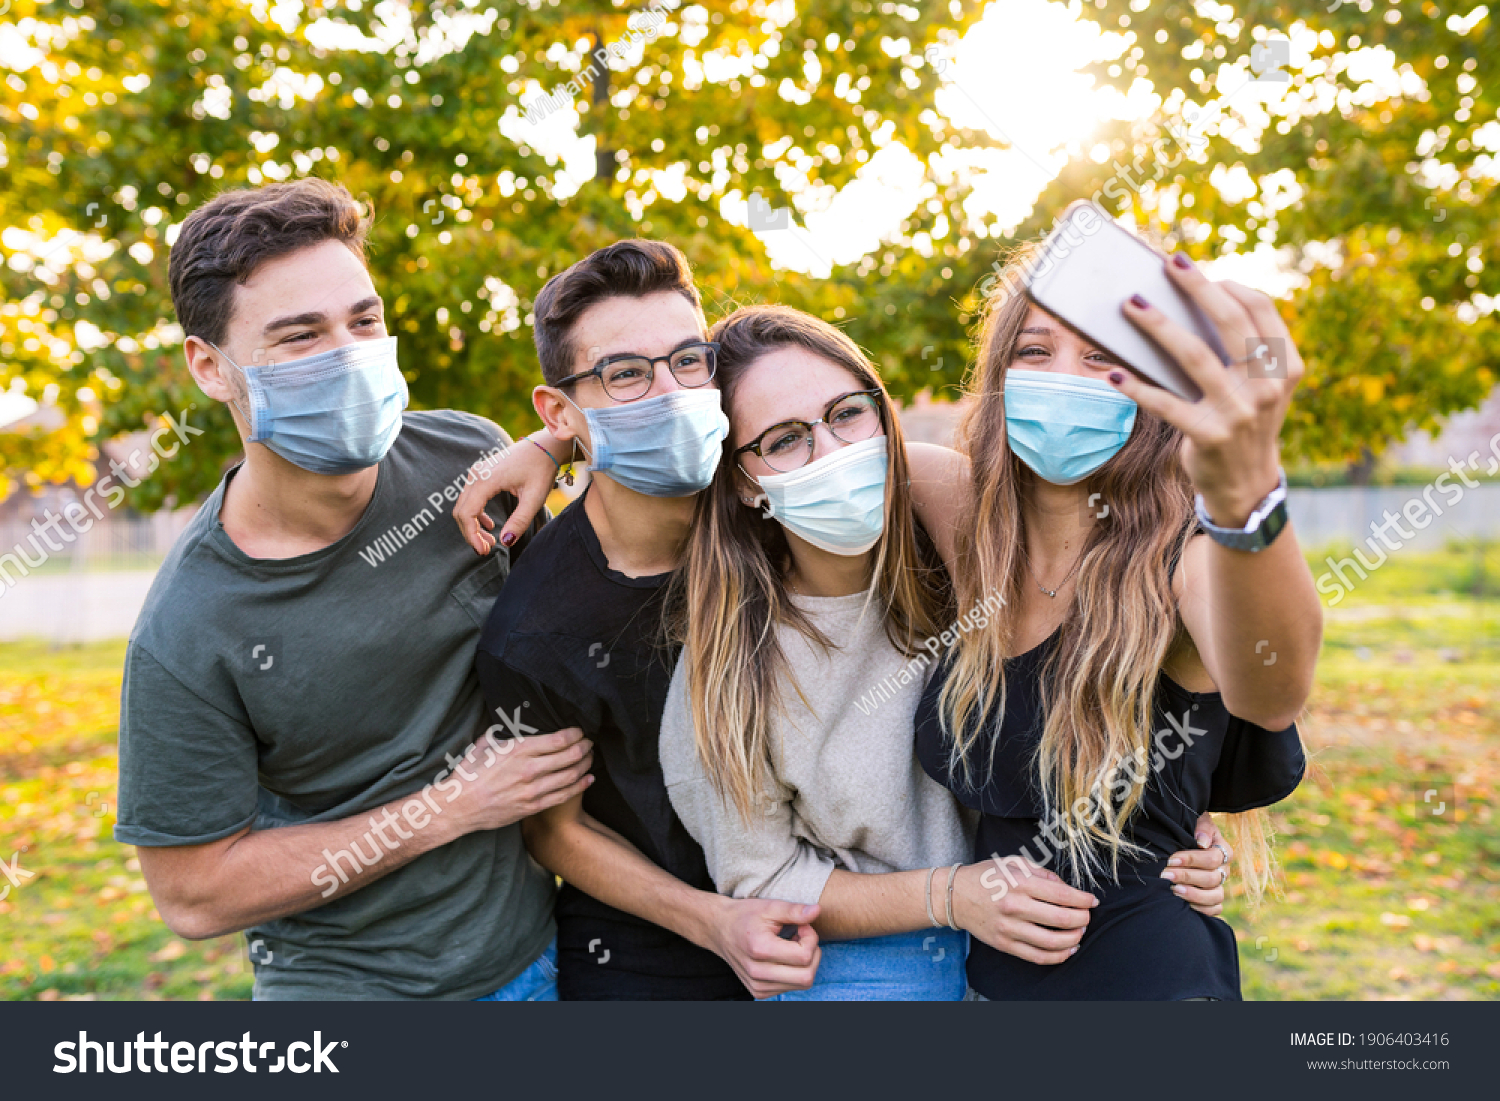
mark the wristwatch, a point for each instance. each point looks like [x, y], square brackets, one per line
[1259, 532]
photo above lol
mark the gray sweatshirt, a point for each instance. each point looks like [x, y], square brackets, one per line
[848, 792]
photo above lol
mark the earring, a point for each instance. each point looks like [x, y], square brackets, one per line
[568, 477]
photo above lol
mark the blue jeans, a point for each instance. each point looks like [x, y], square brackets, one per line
[925, 966]
[538, 983]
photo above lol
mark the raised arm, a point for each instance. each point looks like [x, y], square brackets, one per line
[528, 470]
[1254, 617]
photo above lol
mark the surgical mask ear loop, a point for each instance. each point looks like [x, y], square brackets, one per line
[249, 422]
[761, 500]
[590, 457]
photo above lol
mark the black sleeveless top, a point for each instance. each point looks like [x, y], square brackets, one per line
[1142, 941]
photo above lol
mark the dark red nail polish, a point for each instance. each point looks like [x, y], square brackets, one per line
[1181, 260]
[1139, 303]
[1117, 377]
[507, 539]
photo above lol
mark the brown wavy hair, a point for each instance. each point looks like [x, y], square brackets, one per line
[228, 238]
[728, 601]
[1119, 628]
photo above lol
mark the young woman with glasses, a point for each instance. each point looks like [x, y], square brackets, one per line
[810, 608]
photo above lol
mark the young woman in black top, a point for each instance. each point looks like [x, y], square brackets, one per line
[1153, 662]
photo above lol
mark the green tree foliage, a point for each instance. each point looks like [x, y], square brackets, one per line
[132, 112]
[1386, 194]
[1406, 182]
[142, 109]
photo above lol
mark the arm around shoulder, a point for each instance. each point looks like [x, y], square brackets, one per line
[941, 486]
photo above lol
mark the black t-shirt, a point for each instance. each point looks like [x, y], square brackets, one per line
[1142, 941]
[571, 642]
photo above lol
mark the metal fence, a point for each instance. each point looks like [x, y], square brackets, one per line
[115, 543]
[94, 587]
[1432, 515]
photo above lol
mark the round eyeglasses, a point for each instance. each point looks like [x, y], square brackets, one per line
[787, 446]
[628, 377]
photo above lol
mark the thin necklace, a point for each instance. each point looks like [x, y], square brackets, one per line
[1053, 592]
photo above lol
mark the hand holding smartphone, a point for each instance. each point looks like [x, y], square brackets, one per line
[1088, 266]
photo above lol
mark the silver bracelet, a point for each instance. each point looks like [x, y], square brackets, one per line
[930, 915]
[952, 875]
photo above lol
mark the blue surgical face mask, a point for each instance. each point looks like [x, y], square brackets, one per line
[1063, 426]
[331, 413]
[666, 446]
[836, 503]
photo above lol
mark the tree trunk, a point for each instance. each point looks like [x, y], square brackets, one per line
[1361, 472]
[604, 159]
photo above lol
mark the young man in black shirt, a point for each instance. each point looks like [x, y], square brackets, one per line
[576, 639]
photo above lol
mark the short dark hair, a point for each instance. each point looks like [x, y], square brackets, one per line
[227, 238]
[625, 269]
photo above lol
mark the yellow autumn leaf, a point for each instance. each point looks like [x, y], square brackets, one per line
[173, 950]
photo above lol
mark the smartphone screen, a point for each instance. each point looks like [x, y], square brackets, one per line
[1088, 267]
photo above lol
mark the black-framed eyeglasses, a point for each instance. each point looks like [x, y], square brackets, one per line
[629, 376]
[850, 417]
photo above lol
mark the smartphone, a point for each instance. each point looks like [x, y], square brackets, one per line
[1089, 265]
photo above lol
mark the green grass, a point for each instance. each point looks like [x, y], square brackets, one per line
[82, 925]
[1465, 571]
[1378, 902]
[1381, 901]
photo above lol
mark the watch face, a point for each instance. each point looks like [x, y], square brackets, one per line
[1264, 533]
[1271, 526]
[1261, 532]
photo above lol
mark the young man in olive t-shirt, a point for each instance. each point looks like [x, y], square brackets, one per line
[303, 749]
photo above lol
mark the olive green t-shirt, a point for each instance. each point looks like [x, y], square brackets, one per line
[270, 692]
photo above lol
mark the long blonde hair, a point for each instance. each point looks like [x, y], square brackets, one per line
[1119, 627]
[728, 601]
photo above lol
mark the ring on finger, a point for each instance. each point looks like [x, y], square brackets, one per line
[1223, 874]
[1262, 351]
[1223, 850]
